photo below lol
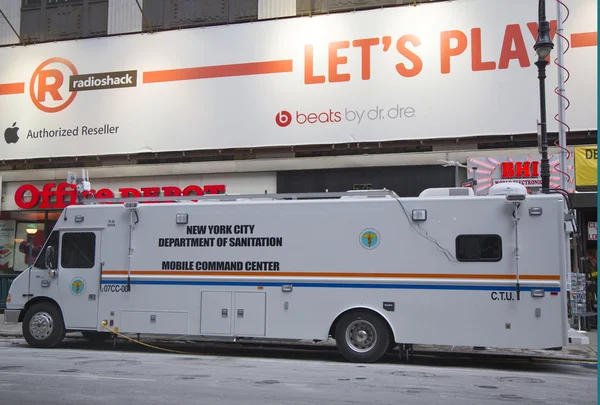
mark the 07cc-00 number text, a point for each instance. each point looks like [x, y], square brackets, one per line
[115, 288]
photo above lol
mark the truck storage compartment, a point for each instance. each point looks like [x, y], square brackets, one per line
[215, 313]
[250, 311]
[171, 322]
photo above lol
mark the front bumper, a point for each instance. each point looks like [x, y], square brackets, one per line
[11, 316]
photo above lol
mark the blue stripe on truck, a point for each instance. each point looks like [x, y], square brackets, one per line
[333, 285]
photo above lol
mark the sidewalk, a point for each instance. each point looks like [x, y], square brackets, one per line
[572, 352]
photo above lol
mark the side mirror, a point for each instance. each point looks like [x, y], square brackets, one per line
[49, 258]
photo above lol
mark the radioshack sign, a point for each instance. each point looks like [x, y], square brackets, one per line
[47, 88]
[393, 74]
[58, 196]
[524, 170]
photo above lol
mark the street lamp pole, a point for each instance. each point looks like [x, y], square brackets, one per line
[30, 253]
[543, 46]
[31, 230]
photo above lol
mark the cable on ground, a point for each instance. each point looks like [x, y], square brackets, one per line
[142, 343]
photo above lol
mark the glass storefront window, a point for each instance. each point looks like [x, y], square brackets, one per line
[15, 243]
[8, 229]
[24, 242]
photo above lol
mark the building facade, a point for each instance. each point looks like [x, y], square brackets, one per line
[154, 97]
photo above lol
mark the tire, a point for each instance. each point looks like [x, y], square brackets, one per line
[43, 325]
[362, 337]
[94, 336]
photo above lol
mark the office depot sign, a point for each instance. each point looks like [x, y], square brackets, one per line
[440, 70]
[61, 195]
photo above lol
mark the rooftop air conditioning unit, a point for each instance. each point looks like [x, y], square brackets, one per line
[447, 192]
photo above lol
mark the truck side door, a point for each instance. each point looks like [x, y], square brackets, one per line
[79, 277]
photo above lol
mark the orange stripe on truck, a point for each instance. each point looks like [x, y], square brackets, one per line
[210, 72]
[333, 275]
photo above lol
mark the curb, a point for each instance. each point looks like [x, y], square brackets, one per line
[426, 351]
[516, 356]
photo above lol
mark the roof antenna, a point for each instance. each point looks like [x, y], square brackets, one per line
[81, 184]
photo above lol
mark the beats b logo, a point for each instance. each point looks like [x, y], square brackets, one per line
[283, 118]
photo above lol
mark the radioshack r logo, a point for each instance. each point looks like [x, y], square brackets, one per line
[283, 118]
[48, 88]
[56, 82]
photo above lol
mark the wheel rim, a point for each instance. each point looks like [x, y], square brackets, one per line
[361, 336]
[41, 325]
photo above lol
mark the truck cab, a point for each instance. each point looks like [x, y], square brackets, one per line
[58, 292]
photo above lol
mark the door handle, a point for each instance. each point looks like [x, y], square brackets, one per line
[224, 313]
[101, 268]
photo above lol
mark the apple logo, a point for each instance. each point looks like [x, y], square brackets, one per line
[11, 134]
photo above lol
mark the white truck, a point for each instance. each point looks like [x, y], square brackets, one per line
[369, 269]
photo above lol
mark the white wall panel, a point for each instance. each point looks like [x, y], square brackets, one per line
[12, 10]
[271, 94]
[276, 8]
[124, 16]
[235, 167]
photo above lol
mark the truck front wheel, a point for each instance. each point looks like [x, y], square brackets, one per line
[43, 325]
[362, 337]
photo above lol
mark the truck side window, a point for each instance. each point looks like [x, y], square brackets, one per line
[479, 248]
[78, 250]
[40, 263]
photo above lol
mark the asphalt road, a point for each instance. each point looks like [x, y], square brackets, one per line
[77, 373]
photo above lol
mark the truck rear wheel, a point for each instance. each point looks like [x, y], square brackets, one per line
[43, 325]
[362, 337]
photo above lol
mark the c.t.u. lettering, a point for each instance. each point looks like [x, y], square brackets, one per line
[503, 296]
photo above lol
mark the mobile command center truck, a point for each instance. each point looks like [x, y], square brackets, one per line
[369, 269]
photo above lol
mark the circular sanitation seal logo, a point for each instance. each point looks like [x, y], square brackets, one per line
[77, 286]
[369, 238]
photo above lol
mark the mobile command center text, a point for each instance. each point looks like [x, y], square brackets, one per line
[220, 266]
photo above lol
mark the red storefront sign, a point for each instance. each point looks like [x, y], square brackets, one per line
[511, 170]
[59, 196]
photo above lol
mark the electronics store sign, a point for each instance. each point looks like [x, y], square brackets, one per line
[525, 170]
